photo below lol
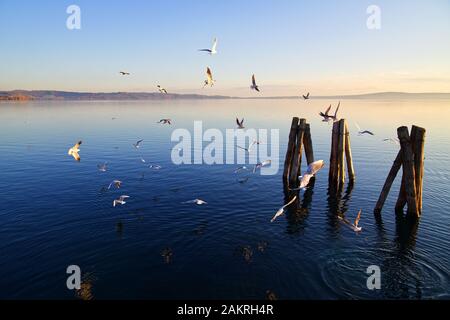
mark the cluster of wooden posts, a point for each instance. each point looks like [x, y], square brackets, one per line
[299, 139]
[410, 158]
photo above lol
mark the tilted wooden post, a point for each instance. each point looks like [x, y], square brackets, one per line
[348, 155]
[388, 184]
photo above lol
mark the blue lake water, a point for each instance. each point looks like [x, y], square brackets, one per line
[56, 212]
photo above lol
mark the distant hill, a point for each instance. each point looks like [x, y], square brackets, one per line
[71, 96]
[24, 95]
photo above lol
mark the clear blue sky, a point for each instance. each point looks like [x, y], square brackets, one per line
[291, 46]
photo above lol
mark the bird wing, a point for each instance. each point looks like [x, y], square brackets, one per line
[77, 145]
[238, 123]
[76, 156]
[253, 80]
[123, 197]
[337, 109]
[315, 167]
[214, 47]
[290, 202]
[205, 50]
[357, 126]
[139, 142]
[209, 75]
[358, 218]
[328, 110]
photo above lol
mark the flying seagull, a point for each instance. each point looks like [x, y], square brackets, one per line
[137, 145]
[161, 89]
[240, 123]
[240, 169]
[312, 170]
[213, 49]
[306, 97]
[280, 212]
[121, 200]
[165, 121]
[116, 183]
[74, 151]
[354, 226]
[102, 167]
[254, 86]
[198, 202]
[155, 167]
[392, 140]
[209, 78]
[262, 164]
[361, 132]
[123, 73]
[327, 117]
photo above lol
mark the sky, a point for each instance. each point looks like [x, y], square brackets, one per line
[292, 46]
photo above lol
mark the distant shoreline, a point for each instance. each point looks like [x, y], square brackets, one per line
[51, 95]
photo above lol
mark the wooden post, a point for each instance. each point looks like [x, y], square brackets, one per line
[332, 177]
[307, 142]
[419, 146]
[341, 153]
[297, 157]
[401, 200]
[348, 155]
[408, 170]
[388, 184]
[290, 148]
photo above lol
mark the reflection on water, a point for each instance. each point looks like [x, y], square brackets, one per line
[56, 212]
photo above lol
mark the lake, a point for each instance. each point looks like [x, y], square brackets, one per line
[57, 212]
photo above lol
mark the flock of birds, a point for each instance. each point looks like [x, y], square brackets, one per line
[304, 180]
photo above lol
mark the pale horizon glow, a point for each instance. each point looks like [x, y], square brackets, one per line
[293, 47]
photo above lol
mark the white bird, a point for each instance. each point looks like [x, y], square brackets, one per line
[120, 201]
[355, 225]
[213, 49]
[102, 167]
[326, 117]
[161, 89]
[137, 145]
[262, 164]
[312, 170]
[254, 86]
[198, 202]
[240, 123]
[280, 212]
[74, 151]
[115, 183]
[209, 78]
[240, 169]
[361, 132]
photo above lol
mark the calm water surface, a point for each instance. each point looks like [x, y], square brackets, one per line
[55, 212]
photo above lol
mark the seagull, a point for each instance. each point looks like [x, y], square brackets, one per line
[196, 201]
[137, 145]
[240, 123]
[354, 226]
[123, 73]
[213, 49]
[361, 132]
[121, 200]
[254, 86]
[326, 117]
[240, 169]
[280, 212]
[116, 183]
[165, 121]
[74, 151]
[312, 170]
[306, 97]
[161, 89]
[392, 140]
[102, 167]
[262, 164]
[209, 78]
[155, 167]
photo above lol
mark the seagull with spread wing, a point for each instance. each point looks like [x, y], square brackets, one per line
[161, 89]
[254, 86]
[123, 73]
[362, 132]
[209, 78]
[306, 97]
[355, 225]
[198, 202]
[240, 123]
[327, 117]
[281, 211]
[312, 170]
[213, 49]
[165, 121]
[74, 151]
[137, 145]
[120, 201]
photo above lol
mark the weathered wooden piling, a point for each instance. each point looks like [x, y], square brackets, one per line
[299, 139]
[411, 159]
[340, 155]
